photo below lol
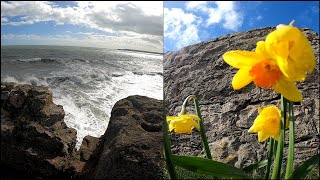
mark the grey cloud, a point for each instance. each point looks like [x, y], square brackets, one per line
[129, 18]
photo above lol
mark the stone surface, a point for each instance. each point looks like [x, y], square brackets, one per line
[35, 141]
[131, 147]
[228, 114]
[88, 146]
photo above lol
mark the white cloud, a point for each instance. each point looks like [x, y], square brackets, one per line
[181, 27]
[132, 22]
[225, 12]
[139, 17]
[197, 5]
[20, 36]
[3, 20]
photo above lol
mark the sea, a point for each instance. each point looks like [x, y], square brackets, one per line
[86, 81]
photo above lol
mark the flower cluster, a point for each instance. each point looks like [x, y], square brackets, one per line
[285, 57]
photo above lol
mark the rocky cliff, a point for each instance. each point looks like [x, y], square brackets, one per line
[228, 114]
[36, 142]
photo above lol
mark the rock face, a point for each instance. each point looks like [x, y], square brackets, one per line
[35, 141]
[131, 147]
[228, 114]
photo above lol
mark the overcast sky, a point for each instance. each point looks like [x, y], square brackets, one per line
[187, 23]
[134, 25]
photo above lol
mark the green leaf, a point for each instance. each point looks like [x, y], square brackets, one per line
[208, 166]
[254, 166]
[303, 170]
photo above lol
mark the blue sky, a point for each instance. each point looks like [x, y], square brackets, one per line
[133, 25]
[188, 23]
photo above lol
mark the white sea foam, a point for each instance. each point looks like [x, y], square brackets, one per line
[30, 59]
[88, 89]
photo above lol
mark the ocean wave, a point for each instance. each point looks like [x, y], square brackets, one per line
[81, 60]
[100, 77]
[37, 59]
[148, 73]
[117, 74]
[32, 80]
[80, 79]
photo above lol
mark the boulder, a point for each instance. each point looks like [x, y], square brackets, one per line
[35, 141]
[228, 114]
[131, 147]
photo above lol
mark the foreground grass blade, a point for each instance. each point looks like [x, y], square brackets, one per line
[166, 144]
[270, 154]
[278, 160]
[302, 171]
[291, 142]
[202, 130]
[207, 166]
[254, 166]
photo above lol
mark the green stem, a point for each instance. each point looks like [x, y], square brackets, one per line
[291, 142]
[270, 154]
[202, 130]
[166, 144]
[278, 160]
[275, 145]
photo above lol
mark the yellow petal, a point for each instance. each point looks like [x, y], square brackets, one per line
[183, 129]
[261, 49]
[276, 137]
[183, 123]
[257, 124]
[301, 53]
[292, 51]
[262, 136]
[190, 116]
[171, 127]
[242, 59]
[291, 70]
[271, 110]
[252, 129]
[288, 89]
[170, 118]
[241, 79]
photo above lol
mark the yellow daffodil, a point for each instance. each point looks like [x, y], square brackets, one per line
[284, 57]
[267, 123]
[183, 123]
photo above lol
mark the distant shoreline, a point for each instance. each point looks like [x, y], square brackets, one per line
[140, 51]
[133, 50]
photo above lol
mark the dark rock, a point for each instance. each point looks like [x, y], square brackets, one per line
[35, 141]
[88, 146]
[228, 114]
[131, 147]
